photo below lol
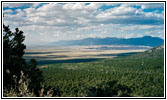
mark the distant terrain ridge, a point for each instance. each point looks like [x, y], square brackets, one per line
[145, 41]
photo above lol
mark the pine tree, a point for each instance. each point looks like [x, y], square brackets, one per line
[13, 50]
[14, 63]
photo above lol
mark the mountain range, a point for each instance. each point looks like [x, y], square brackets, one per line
[145, 41]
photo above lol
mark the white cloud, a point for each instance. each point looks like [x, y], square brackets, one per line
[35, 4]
[53, 21]
[81, 6]
[129, 15]
[8, 11]
[112, 4]
[18, 5]
[116, 12]
[155, 33]
[152, 6]
[141, 27]
[74, 6]
[14, 5]
[132, 35]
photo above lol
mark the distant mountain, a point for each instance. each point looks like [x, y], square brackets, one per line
[146, 41]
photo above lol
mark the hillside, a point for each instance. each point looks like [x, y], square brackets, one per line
[154, 52]
[146, 41]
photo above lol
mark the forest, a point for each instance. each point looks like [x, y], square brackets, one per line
[119, 77]
[136, 75]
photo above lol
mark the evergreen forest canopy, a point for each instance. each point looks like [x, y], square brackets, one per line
[138, 75]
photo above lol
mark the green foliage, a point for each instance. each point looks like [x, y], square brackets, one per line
[35, 75]
[152, 53]
[13, 62]
[110, 77]
[13, 50]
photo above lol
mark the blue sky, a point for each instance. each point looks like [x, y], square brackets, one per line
[48, 22]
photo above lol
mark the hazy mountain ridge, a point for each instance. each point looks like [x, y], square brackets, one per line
[146, 41]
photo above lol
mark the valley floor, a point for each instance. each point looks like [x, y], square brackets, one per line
[51, 54]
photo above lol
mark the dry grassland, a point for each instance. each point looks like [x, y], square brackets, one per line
[72, 52]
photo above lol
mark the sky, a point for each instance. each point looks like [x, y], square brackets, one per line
[43, 23]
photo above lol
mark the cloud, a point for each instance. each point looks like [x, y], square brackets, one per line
[19, 5]
[129, 15]
[152, 6]
[81, 6]
[7, 11]
[56, 21]
[112, 4]
[15, 5]
[141, 27]
[120, 11]
[35, 5]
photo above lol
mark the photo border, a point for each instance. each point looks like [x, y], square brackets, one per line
[86, 97]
